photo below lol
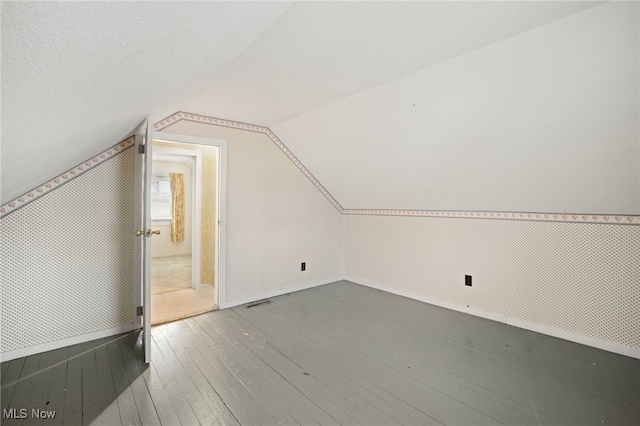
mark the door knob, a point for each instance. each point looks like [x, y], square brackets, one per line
[139, 233]
[154, 232]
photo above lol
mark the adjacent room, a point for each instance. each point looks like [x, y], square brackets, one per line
[183, 251]
[320, 213]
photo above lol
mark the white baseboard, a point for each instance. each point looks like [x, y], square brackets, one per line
[550, 331]
[281, 291]
[543, 329]
[49, 346]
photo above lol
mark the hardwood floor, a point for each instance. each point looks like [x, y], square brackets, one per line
[335, 354]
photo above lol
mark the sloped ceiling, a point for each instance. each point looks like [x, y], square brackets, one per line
[546, 121]
[319, 52]
[76, 77]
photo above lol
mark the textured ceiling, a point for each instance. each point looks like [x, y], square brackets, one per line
[78, 76]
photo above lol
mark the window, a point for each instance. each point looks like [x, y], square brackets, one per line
[160, 199]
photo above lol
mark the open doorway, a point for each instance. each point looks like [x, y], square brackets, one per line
[184, 208]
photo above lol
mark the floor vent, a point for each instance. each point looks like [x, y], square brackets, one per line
[258, 303]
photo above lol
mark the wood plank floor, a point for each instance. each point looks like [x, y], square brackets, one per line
[336, 354]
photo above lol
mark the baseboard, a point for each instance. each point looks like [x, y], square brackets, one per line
[281, 291]
[49, 346]
[550, 331]
[543, 329]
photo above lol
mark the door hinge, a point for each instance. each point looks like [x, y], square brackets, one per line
[141, 149]
[139, 311]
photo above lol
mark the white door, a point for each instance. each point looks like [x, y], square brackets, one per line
[144, 233]
[142, 208]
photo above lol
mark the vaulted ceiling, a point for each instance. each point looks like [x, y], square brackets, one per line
[79, 76]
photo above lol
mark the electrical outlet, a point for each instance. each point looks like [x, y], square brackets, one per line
[467, 280]
[303, 266]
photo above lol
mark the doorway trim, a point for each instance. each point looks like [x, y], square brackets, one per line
[221, 207]
[193, 160]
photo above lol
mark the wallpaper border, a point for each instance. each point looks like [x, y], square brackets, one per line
[520, 216]
[65, 177]
[183, 116]
[80, 169]
[492, 215]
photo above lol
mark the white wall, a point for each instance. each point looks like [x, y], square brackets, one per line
[74, 245]
[161, 245]
[67, 261]
[275, 219]
[577, 278]
[574, 280]
[547, 121]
